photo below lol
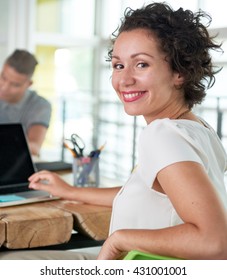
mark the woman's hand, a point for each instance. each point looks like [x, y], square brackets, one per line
[50, 182]
[111, 248]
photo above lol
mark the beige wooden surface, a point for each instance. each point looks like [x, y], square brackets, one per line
[35, 225]
[50, 223]
[91, 220]
[2, 232]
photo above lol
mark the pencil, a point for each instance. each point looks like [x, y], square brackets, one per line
[71, 150]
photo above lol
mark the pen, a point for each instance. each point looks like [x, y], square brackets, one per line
[97, 152]
[70, 149]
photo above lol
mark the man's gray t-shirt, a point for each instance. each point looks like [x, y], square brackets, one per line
[32, 109]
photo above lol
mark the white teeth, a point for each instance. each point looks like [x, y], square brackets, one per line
[132, 95]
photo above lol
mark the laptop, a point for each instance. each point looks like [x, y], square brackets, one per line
[16, 166]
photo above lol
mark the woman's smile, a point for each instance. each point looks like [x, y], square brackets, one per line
[131, 96]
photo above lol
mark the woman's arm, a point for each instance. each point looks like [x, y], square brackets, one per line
[204, 232]
[52, 183]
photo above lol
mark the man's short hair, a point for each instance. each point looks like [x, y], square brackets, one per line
[22, 61]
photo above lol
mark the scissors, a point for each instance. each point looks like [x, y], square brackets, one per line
[78, 144]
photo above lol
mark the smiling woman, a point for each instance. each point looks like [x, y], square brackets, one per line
[175, 201]
[143, 78]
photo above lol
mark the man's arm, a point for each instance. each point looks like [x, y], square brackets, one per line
[36, 135]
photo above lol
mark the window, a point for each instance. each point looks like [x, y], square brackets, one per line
[65, 73]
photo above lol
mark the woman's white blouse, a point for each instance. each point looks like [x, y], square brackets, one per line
[164, 142]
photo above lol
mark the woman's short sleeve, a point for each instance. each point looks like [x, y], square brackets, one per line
[165, 142]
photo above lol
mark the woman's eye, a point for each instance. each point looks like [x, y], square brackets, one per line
[118, 66]
[142, 65]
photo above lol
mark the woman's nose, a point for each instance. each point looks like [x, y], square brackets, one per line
[127, 77]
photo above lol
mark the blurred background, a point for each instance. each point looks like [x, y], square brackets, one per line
[70, 39]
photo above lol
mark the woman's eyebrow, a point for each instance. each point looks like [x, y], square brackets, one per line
[115, 56]
[135, 55]
[141, 53]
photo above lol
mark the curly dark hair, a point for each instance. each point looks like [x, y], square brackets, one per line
[185, 41]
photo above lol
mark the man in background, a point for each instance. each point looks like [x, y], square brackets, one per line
[20, 104]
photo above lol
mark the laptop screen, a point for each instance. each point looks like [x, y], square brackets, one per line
[15, 160]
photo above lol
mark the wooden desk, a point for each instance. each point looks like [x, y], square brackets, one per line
[48, 223]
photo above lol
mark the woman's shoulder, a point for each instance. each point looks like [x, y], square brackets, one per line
[166, 125]
[166, 130]
[169, 125]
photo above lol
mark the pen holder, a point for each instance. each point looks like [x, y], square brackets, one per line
[86, 172]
